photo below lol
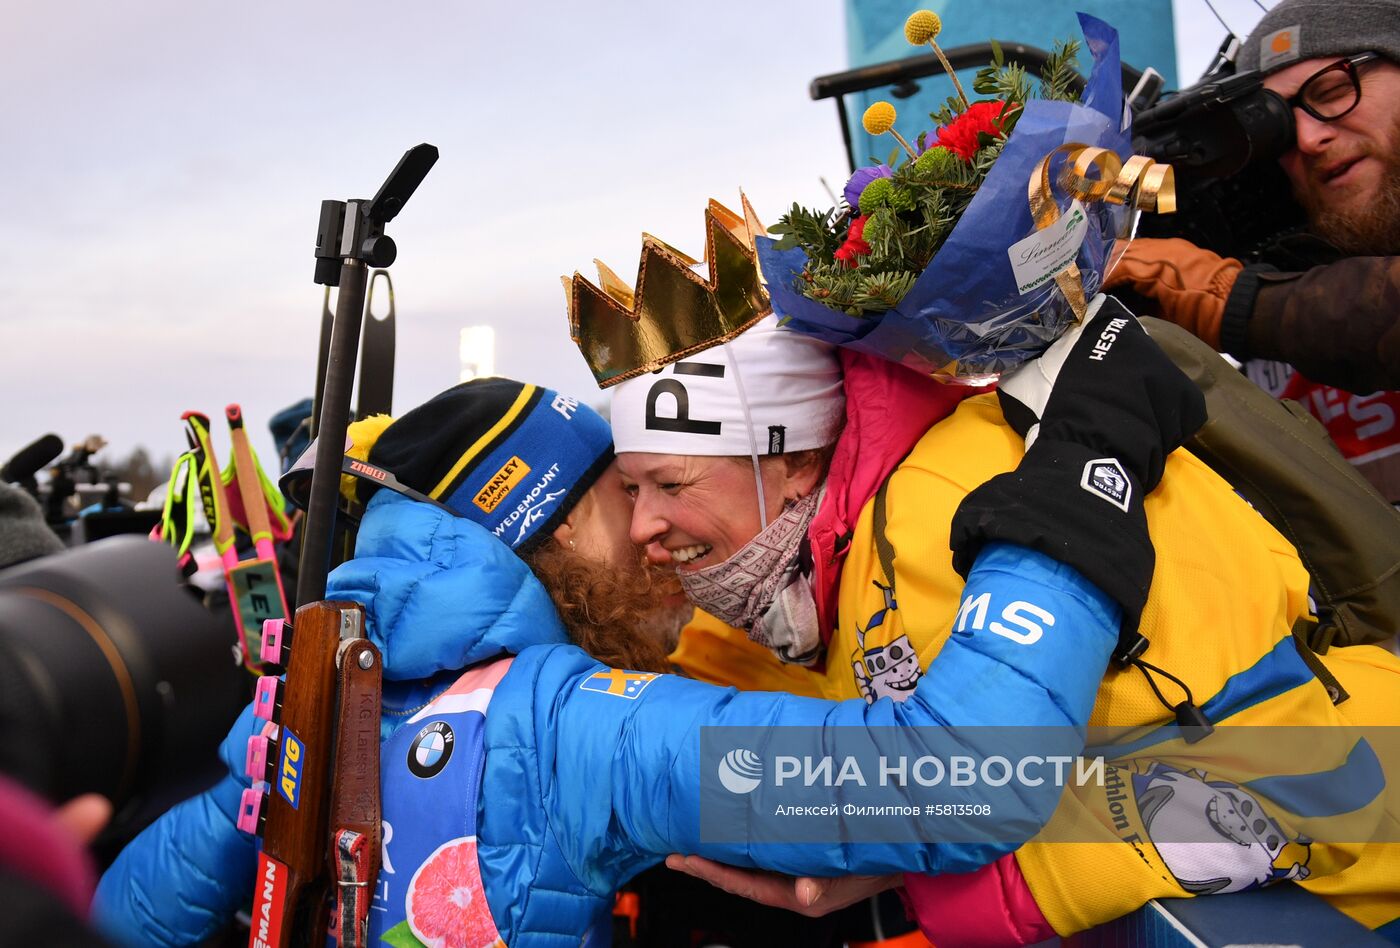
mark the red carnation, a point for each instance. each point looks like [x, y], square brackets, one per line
[854, 244]
[960, 135]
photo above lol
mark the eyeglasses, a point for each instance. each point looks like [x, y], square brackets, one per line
[296, 483]
[1334, 90]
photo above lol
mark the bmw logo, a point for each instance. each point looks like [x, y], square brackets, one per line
[431, 750]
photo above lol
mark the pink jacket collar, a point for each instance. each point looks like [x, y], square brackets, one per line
[888, 409]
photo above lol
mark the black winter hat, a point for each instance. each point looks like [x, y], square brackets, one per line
[511, 456]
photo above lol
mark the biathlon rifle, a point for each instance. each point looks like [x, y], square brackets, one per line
[316, 799]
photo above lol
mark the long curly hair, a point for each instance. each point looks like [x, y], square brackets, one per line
[611, 613]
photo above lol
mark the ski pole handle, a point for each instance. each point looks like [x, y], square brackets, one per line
[249, 484]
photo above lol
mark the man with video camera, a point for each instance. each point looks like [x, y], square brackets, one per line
[1316, 317]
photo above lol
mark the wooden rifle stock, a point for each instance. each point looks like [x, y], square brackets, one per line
[292, 884]
[325, 781]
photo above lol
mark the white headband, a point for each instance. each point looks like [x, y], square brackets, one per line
[768, 391]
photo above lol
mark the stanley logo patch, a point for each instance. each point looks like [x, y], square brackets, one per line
[501, 484]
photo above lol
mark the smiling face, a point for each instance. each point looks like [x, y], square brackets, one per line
[1346, 173]
[695, 512]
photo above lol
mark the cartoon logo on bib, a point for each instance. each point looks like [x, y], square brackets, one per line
[884, 671]
[1214, 835]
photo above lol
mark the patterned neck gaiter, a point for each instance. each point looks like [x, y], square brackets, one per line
[763, 588]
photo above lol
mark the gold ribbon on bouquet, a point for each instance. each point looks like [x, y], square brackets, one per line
[1097, 174]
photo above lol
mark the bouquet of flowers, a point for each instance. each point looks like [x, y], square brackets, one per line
[972, 249]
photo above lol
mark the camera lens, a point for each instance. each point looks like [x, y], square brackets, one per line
[114, 678]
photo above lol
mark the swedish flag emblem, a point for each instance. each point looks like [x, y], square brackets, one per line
[613, 681]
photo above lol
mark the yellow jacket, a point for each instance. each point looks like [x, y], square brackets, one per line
[1225, 595]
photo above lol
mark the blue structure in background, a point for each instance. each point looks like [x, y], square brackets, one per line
[875, 34]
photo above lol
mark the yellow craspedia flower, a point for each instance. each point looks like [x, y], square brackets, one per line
[922, 26]
[879, 118]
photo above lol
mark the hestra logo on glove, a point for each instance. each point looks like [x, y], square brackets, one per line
[1106, 478]
[1106, 339]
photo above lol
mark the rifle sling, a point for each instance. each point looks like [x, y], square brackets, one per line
[355, 819]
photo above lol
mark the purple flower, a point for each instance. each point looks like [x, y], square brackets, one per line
[860, 179]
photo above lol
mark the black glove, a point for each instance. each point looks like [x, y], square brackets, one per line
[1114, 407]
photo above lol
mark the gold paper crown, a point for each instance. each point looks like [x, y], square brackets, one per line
[674, 311]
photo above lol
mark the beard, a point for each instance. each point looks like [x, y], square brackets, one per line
[617, 614]
[1369, 227]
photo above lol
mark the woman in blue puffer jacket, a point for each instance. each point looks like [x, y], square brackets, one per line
[524, 780]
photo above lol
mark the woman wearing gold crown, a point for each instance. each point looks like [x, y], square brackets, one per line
[696, 439]
[808, 497]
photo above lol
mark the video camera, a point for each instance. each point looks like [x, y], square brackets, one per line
[1222, 136]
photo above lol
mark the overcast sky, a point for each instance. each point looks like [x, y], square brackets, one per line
[165, 163]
